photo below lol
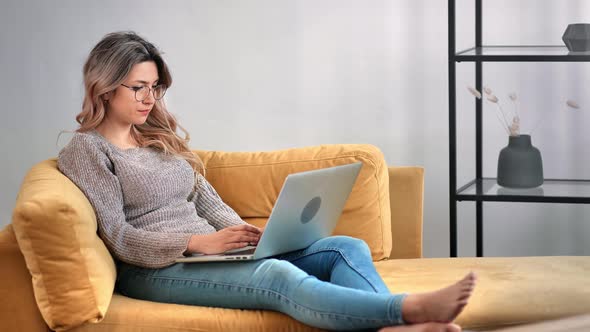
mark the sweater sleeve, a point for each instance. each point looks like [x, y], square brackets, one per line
[211, 207]
[88, 166]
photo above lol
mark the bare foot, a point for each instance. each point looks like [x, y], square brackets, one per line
[424, 327]
[443, 305]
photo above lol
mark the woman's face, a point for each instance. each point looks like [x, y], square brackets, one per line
[123, 108]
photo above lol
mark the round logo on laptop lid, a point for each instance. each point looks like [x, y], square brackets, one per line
[311, 209]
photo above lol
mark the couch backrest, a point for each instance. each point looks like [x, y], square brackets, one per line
[250, 182]
[406, 196]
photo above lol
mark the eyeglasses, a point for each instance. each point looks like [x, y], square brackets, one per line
[142, 92]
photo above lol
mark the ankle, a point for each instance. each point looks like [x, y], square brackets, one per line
[412, 310]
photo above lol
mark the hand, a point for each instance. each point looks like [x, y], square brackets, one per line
[226, 239]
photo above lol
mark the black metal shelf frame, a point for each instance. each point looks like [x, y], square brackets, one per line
[515, 53]
[478, 190]
[480, 54]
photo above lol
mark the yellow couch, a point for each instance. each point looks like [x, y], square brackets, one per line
[57, 274]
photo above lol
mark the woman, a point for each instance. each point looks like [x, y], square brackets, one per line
[153, 205]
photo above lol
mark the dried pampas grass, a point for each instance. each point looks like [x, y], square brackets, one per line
[512, 128]
[474, 92]
[572, 104]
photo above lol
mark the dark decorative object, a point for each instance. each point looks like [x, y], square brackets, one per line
[520, 164]
[577, 37]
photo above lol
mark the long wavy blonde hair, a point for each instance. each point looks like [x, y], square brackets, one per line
[107, 66]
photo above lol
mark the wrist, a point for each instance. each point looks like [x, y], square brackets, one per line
[194, 244]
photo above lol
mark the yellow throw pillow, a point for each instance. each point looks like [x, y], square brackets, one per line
[55, 225]
[250, 182]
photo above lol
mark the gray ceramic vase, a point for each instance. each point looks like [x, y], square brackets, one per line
[577, 37]
[520, 164]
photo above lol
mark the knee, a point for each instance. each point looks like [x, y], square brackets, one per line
[348, 243]
[276, 269]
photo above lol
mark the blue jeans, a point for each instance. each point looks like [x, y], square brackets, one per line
[332, 284]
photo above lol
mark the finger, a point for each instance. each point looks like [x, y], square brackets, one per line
[244, 238]
[247, 233]
[235, 245]
[246, 227]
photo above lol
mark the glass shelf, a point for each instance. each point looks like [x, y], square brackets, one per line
[532, 53]
[552, 191]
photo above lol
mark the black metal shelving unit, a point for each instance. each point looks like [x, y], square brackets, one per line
[481, 189]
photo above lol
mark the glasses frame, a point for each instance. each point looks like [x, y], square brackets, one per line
[151, 90]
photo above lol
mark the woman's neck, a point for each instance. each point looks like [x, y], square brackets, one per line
[118, 135]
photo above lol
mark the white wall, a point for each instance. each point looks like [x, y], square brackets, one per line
[268, 74]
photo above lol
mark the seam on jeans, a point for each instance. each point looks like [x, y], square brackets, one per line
[348, 262]
[279, 296]
[397, 308]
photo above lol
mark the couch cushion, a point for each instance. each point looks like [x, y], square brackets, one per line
[72, 270]
[127, 314]
[250, 182]
[509, 291]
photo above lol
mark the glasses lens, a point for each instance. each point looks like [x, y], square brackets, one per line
[142, 93]
[159, 92]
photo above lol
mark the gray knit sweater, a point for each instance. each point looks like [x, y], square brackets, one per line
[144, 200]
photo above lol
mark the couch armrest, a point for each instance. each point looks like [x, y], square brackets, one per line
[18, 309]
[406, 195]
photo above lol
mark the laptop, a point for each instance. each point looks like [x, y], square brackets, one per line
[307, 209]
